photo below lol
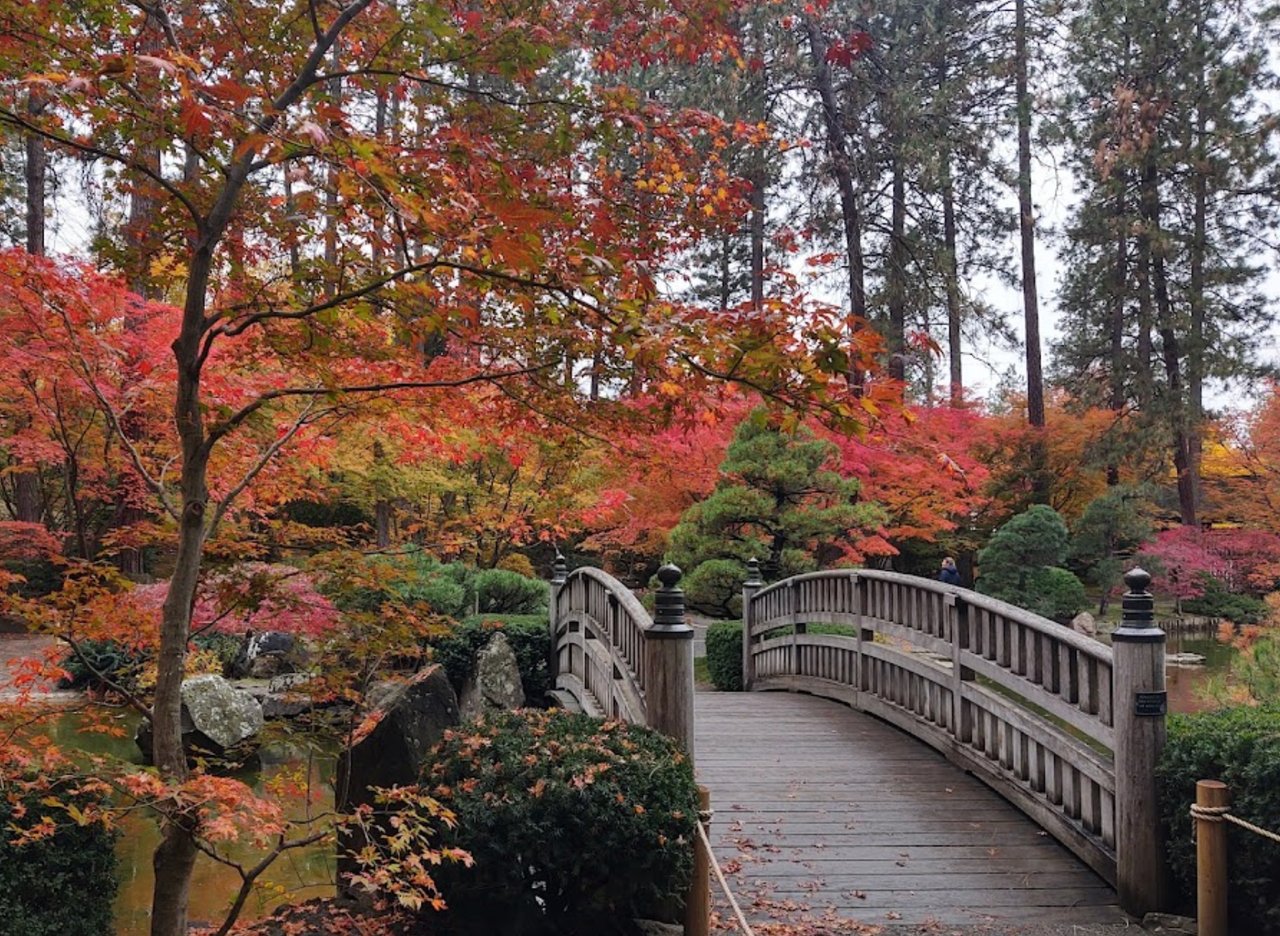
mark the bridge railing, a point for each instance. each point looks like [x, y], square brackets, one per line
[1044, 715]
[614, 659]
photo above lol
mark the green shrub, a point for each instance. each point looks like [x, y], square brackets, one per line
[530, 639]
[724, 655]
[225, 646]
[501, 592]
[573, 823]
[1240, 747]
[518, 562]
[724, 649]
[1219, 601]
[1054, 593]
[62, 885]
[715, 586]
[100, 657]
[415, 578]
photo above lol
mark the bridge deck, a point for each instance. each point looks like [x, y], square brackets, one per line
[822, 812]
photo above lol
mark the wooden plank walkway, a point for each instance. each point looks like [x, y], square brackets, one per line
[827, 814]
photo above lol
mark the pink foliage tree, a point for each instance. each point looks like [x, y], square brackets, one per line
[252, 596]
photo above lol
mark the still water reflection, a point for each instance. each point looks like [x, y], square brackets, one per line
[297, 875]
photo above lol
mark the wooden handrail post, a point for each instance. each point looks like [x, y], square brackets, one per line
[1211, 860]
[559, 572]
[1140, 705]
[749, 588]
[961, 729]
[668, 663]
[697, 907]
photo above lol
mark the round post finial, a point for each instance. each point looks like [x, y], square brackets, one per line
[753, 573]
[559, 569]
[1138, 610]
[668, 603]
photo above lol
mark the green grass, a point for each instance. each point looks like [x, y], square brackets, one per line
[701, 673]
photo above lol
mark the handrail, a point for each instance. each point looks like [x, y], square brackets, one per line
[1039, 712]
[617, 661]
[975, 599]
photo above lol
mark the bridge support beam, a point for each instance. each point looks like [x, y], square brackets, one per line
[1141, 705]
[668, 663]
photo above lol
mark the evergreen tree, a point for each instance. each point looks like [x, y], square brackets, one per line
[777, 501]
[1175, 156]
[1022, 565]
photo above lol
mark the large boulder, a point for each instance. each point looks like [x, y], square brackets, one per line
[410, 718]
[218, 719]
[495, 685]
[266, 655]
[1083, 623]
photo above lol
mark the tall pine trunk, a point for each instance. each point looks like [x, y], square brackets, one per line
[1119, 276]
[896, 274]
[952, 273]
[842, 169]
[1026, 226]
[26, 501]
[1175, 404]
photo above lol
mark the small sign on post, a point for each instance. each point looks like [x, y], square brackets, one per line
[1151, 703]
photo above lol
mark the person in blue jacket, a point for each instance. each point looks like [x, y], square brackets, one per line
[949, 574]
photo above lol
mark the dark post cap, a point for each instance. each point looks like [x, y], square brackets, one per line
[668, 605]
[1139, 580]
[1138, 616]
[753, 573]
[559, 569]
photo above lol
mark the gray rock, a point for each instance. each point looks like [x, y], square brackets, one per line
[270, 666]
[287, 681]
[272, 653]
[1083, 623]
[496, 684]
[414, 716]
[285, 705]
[216, 717]
[1169, 925]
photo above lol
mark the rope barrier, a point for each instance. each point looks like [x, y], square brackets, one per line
[1223, 814]
[704, 819]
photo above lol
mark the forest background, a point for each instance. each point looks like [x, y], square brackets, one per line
[486, 283]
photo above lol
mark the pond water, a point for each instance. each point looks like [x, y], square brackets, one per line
[1187, 684]
[305, 777]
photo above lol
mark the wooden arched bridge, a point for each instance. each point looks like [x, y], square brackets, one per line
[1031, 798]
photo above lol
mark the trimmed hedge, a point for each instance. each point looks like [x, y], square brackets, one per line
[62, 885]
[724, 655]
[1241, 747]
[499, 591]
[530, 638]
[724, 649]
[575, 824]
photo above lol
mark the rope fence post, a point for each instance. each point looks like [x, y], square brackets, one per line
[749, 588]
[1211, 857]
[697, 908]
[1140, 706]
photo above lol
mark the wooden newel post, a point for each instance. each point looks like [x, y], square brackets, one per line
[1140, 706]
[559, 573]
[1211, 859]
[668, 663]
[749, 588]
